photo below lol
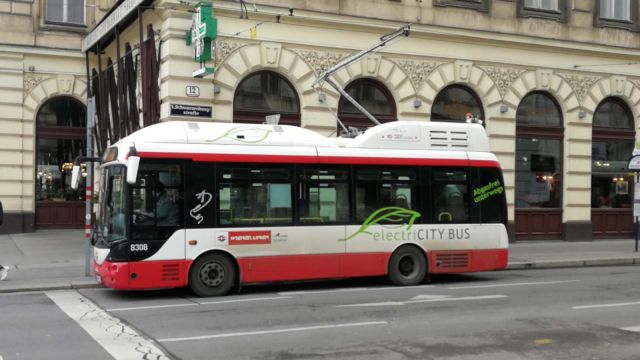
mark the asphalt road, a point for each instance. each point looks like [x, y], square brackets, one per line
[586, 313]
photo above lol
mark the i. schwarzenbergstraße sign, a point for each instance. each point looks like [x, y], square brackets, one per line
[126, 8]
[190, 110]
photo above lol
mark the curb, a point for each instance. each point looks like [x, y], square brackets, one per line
[572, 263]
[59, 286]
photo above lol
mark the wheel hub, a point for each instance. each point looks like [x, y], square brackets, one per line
[212, 274]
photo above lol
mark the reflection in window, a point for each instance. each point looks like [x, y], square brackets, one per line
[374, 97]
[60, 138]
[613, 142]
[377, 189]
[538, 173]
[450, 194]
[255, 195]
[266, 93]
[613, 113]
[66, 11]
[62, 111]
[611, 185]
[615, 10]
[538, 109]
[542, 4]
[54, 167]
[324, 196]
[454, 102]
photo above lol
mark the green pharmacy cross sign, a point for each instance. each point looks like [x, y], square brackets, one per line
[202, 36]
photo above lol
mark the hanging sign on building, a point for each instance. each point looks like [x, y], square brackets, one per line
[191, 110]
[202, 36]
[111, 21]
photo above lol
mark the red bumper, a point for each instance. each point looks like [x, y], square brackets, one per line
[143, 274]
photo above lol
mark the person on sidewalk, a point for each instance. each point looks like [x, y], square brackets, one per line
[4, 272]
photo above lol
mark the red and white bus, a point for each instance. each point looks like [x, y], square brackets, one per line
[214, 206]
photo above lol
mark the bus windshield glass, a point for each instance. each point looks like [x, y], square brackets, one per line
[111, 216]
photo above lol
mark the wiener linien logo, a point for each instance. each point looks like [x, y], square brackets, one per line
[394, 218]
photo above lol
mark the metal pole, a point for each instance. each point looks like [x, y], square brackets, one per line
[89, 186]
[352, 101]
[637, 178]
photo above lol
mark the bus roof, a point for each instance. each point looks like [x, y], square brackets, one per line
[400, 135]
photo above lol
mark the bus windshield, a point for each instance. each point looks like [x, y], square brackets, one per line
[111, 215]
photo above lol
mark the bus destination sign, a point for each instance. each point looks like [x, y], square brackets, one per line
[191, 110]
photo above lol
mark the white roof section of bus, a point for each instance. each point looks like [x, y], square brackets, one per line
[405, 135]
[407, 139]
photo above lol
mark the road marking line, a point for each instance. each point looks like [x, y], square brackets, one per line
[604, 305]
[399, 303]
[116, 337]
[632, 328]
[198, 303]
[275, 331]
[151, 307]
[352, 290]
[245, 300]
[512, 284]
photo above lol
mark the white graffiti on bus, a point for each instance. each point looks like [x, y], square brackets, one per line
[205, 199]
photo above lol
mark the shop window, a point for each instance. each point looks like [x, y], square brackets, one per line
[374, 97]
[454, 102]
[60, 138]
[480, 5]
[613, 143]
[266, 93]
[616, 13]
[539, 135]
[67, 12]
[545, 9]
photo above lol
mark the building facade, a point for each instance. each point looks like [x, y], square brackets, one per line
[556, 82]
[42, 109]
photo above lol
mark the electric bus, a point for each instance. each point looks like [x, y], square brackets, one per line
[214, 206]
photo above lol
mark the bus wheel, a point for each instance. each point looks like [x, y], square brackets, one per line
[212, 275]
[407, 266]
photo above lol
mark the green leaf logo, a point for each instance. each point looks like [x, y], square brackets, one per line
[245, 135]
[395, 215]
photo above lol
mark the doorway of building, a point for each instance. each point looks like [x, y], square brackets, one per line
[60, 137]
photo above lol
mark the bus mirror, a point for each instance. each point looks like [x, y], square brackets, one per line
[132, 169]
[1, 213]
[75, 177]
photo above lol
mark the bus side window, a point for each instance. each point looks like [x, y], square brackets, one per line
[490, 195]
[450, 191]
[158, 201]
[391, 187]
[323, 195]
[254, 195]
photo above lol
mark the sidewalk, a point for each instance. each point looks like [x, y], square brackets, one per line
[55, 259]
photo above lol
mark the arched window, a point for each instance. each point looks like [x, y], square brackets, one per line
[60, 138]
[611, 185]
[454, 102]
[539, 134]
[374, 97]
[266, 93]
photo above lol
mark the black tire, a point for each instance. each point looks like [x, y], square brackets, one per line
[407, 266]
[212, 275]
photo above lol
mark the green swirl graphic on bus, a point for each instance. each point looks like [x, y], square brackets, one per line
[396, 215]
[246, 135]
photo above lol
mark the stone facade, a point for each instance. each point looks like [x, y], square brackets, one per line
[498, 49]
[38, 61]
